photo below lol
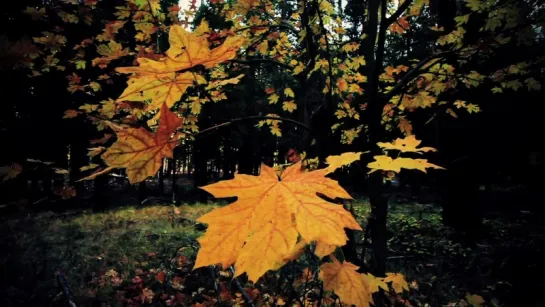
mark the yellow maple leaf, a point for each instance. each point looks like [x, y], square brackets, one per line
[474, 300]
[289, 106]
[417, 164]
[460, 104]
[383, 163]
[203, 28]
[408, 144]
[35, 14]
[263, 48]
[142, 152]
[275, 130]
[109, 52]
[261, 228]
[348, 284]
[398, 282]
[324, 249]
[273, 99]
[289, 92]
[375, 282]
[295, 253]
[219, 83]
[334, 162]
[186, 50]
[159, 88]
[472, 108]
[386, 163]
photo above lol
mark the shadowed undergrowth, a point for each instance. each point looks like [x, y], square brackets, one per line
[138, 256]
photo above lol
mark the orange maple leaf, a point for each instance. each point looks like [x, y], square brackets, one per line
[259, 231]
[405, 126]
[348, 284]
[142, 152]
[400, 25]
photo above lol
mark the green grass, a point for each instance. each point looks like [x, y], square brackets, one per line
[114, 258]
[86, 246]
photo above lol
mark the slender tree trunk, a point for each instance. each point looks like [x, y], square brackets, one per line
[173, 178]
[378, 201]
[200, 174]
[161, 179]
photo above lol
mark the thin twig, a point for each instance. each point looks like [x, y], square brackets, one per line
[241, 289]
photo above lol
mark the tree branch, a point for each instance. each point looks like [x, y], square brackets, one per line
[410, 74]
[251, 118]
[398, 12]
[251, 61]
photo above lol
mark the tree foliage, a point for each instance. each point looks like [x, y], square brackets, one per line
[333, 72]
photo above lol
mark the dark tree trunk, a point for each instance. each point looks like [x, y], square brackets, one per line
[460, 201]
[200, 173]
[142, 191]
[100, 199]
[161, 179]
[173, 179]
[377, 224]
[78, 159]
[377, 199]
[229, 162]
[246, 158]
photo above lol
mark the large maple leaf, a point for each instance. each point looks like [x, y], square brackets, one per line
[259, 231]
[142, 152]
[162, 81]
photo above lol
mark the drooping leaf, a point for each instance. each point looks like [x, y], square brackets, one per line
[142, 152]
[348, 284]
[398, 282]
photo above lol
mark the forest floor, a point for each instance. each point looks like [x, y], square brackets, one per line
[143, 256]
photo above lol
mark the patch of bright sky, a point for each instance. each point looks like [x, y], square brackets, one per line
[184, 5]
